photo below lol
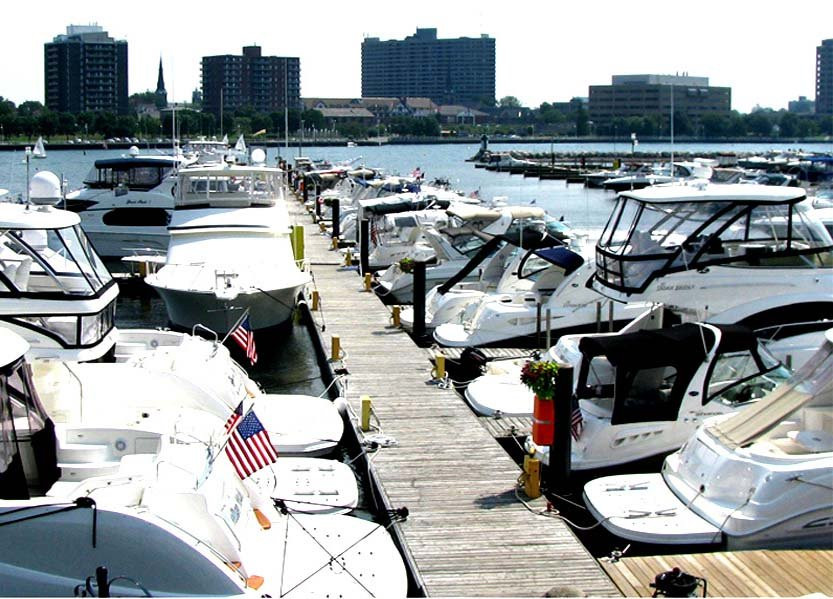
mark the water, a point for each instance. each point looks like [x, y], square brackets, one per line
[581, 207]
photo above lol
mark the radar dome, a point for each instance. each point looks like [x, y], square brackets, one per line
[134, 151]
[45, 188]
[258, 156]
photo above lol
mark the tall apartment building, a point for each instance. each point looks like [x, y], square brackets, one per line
[824, 78]
[85, 70]
[448, 71]
[263, 83]
[651, 95]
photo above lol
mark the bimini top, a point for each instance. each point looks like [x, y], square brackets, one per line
[711, 192]
[137, 162]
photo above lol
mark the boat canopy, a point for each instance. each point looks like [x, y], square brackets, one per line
[400, 203]
[811, 385]
[537, 259]
[134, 173]
[661, 230]
[651, 370]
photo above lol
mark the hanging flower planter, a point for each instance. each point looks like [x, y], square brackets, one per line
[540, 377]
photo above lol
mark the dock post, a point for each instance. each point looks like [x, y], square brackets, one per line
[419, 300]
[336, 211]
[558, 473]
[364, 247]
[305, 184]
[317, 203]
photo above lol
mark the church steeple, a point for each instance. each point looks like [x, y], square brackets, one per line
[161, 94]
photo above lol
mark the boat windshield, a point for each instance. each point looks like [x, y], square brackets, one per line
[232, 188]
[50, 261]
[645, 240]
[132, 174]
[742, 376]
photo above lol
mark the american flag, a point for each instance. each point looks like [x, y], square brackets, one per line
[245, 338]
[576, 421]
[248, 447]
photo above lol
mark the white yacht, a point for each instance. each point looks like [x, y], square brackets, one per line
[757, 479]
[746, 254]
[125, 204]
[75, 500]
[658, 175]
[229, 250]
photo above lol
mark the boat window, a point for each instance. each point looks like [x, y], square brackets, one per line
[72, 331]
[596, 379]
[132, 176]
[25, 404]
[137, 217]
[646, 395]
[619, 234]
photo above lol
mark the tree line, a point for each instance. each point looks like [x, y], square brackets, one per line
[31, 119]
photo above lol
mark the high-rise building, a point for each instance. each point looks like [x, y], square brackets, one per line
[824, 78]
[262, 83]
[85, 70]
[448, 71]
[653, 96]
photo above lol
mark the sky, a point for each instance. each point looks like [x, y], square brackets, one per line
[546, 50]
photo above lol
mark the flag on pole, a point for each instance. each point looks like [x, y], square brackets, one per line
[248, 448]
[245, 338]
[576, 421]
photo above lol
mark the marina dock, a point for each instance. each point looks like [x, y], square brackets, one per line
[469, 532]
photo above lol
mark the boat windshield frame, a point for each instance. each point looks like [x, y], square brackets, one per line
[130, 173]
[646, 239]
[61, 259]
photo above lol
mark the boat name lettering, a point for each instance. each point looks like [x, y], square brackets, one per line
[674, 287]
[136, 202]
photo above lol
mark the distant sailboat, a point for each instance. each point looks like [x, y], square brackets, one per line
[39, 151]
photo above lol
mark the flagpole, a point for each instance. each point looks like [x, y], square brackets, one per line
[236, 324]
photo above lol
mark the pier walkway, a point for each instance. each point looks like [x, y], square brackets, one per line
[467, 534]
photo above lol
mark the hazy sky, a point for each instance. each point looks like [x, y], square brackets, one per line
[547, 50]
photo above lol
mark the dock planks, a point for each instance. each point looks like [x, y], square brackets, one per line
[468, 534]
[782, 573]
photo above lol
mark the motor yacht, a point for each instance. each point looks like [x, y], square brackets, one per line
[640, 392]
[230, 251]
[758, 479]
[76, 498]
[676, 172]
[125, 203]
[747, 254]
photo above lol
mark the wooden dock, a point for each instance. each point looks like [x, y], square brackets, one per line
[468, 533]
[787, 573]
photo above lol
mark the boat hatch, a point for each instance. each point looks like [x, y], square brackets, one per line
[646, 372]
[649, 236]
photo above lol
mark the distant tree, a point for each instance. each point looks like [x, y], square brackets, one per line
[509, 102]
[714, 124]
[30, 108]
[47, 123]
[67, 124]
[788, 124]
[759, 123]
[582, 122]
[313, 118]
[807, 127]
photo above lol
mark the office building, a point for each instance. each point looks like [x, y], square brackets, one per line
[85, 70]
[651, 96]
[448, 71]
[824, 78]
[262, 83]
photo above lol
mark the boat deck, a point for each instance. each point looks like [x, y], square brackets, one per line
[468, 533]
[787, 573]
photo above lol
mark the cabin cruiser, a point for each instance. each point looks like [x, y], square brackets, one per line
[641, 393]
[675, 172]
[230, 251]
[747, 254]
[455, 246]
[76, 498]
[125, 204]
[758, 479]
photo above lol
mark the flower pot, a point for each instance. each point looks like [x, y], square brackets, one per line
[543, 421]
